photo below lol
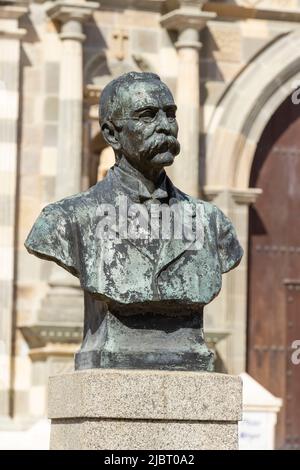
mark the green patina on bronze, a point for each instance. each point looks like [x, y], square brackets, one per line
[144, 299]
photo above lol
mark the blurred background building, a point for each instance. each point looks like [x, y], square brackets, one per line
[234, 68]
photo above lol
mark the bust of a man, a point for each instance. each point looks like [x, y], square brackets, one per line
[148, 256]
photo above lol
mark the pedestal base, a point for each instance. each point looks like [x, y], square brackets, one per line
[131, 409]
[154, 335]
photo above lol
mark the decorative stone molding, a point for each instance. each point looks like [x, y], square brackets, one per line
[283, 10]
[64, 11]
[246, 196]
[10, 11]
[40, 334]
[240, 196]
[72, 15]
[186, 17]
[188, 20]
[146, 5]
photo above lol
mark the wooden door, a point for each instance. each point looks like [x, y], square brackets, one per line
[274, 268]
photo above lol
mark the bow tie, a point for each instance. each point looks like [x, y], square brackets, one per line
[158, 194]
[136, 189]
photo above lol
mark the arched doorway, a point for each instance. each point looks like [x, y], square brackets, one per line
[274, 268]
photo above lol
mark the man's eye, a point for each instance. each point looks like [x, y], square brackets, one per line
[171, 114]
[148, 115]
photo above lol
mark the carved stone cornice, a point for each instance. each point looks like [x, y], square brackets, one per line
[178, 20]
[255, 9]
[191, 3]
[246, 196]
[240, 196]
[40, 334]
[64, 10]
[72, 15]
[189, 15]
[58, 318]
[10, 11]
[146, 5]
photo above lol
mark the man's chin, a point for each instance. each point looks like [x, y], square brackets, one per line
[163, 159]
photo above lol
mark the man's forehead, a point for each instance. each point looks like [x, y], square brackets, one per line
[145, 92]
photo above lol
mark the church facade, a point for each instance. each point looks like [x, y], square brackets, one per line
[234, 69]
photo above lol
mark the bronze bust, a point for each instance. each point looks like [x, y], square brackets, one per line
[148, 256]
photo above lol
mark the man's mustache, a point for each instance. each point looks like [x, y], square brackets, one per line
[161, 143]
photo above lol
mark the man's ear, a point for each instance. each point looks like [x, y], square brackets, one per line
[110, 135]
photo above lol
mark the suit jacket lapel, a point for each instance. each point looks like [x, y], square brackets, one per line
[170, 250]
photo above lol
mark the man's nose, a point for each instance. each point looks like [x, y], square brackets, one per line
[163, 123]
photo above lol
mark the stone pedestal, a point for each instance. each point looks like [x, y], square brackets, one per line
[134, 409]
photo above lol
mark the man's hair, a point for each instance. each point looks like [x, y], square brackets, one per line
[108, 100]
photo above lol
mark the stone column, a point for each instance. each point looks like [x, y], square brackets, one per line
[71, 16]
[228, 312]
[10, 37]
[188, 20]
[56, 333]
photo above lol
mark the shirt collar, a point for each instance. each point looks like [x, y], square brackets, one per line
[137, 189]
